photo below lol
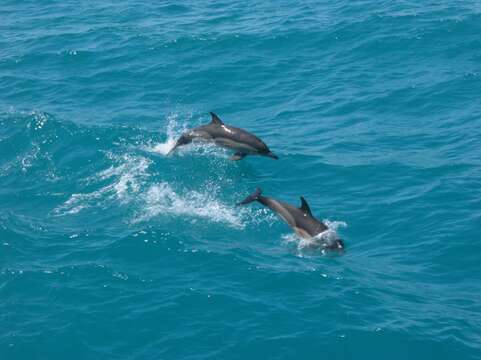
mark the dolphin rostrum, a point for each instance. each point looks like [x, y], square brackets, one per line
[242, 142]
[299, 219]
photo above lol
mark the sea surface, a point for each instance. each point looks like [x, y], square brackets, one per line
[109, 249]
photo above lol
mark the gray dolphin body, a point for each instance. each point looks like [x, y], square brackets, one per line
[299, 219]
[241, 141]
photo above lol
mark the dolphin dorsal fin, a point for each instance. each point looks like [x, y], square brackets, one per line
[215, 119]
[305, 207]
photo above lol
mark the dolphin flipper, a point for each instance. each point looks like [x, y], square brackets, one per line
[238, 156]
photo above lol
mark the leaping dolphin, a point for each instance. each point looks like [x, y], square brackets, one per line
[241, 141]
[299, 219]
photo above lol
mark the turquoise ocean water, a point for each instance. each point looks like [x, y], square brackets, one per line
[111, 250]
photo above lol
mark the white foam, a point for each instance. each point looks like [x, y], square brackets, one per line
[76, 203]
[127, 177]
[127, 183]
[23, 161]
[334, 225]
[317, 241]
[161, 199]
[174, 130]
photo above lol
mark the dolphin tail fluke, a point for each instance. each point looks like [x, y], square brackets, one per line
[252, 197]
[183, 140]
[172, 150]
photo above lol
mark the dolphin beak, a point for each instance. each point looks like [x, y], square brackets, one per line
[272, 155]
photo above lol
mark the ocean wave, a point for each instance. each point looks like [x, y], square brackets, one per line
[373, 106]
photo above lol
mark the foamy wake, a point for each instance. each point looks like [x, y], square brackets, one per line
[327, 236]
[162, 199]
[128, 185]
[127, 177]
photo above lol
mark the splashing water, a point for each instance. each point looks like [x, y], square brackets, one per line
[174, 131]
[317, 242]
[128, 176]
[398, 159]
[161, 199]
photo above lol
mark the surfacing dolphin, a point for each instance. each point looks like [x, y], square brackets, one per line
[241, 141]
[299, 219]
